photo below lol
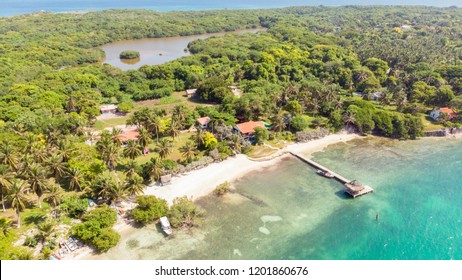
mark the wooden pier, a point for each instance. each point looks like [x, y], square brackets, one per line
[352, 187]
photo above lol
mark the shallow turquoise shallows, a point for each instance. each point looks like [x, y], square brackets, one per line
[290, 212]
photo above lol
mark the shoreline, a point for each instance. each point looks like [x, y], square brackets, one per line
[202, 182]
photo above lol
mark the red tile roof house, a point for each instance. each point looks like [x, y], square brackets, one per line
[247, 129]
[129, 135]
[203, 122]
[436, 113]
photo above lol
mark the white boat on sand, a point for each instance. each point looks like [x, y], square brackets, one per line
[165, 224]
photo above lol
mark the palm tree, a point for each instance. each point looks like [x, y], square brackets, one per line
[314, 105]
[104, 141]
[46, 229]
[57, 166]
[27, 162]
[76, 179]
[349, 118]
[155, 168]
[291, 89]
[5, 183]
[110, 187]
[8, 155]
[52, 138]
[143, 138]
[330, 91]
[30, 138]
[117, 136]
[132, 150]
[131, 168]
[54, 196]
[174, 129]
[199, 137]
[5, 225]
[37, 181]
[135, 185]
[156, 124]
[108, 150]
[111, 156]
[277, 122]
[18, 198]
[164, 148]
[39, 152]
[64, 150]
[23, 255]
[189, 150]
[118, 192]
[235, 142]
[179, 113]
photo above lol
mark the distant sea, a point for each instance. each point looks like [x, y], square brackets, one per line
[15, 7]
[289, 212]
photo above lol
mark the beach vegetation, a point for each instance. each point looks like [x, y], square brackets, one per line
[107, 239]
[184, 213]
[73, 206]
[31, 241]
[222, 188]
[105, 216]
[261, 135]
[132, 244]
[308, 74]
[96, 229]
[300, 123]
[5, 226]
[149, 209]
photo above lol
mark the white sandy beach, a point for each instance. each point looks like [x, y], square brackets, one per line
[202, 182]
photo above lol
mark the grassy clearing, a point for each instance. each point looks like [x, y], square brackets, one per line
[169, 102]
[101, 124]
[29, 219]
[430, 124]
[175, 155]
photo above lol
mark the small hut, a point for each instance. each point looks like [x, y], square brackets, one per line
[354, 188]
[165, 179]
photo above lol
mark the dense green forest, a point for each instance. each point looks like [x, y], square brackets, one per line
[375, 69]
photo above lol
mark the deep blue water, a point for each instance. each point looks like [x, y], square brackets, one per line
[15, 7]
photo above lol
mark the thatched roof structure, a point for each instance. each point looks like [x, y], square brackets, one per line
[354, 186]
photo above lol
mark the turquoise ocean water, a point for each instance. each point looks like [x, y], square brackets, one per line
[289, 212]
[14, 7]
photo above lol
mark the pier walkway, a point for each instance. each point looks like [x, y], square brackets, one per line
[352, 187]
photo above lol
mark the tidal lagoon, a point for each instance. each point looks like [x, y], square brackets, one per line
[154, 51]
[289, 212]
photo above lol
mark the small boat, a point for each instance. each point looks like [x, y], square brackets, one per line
[165, 224]
[325, 173]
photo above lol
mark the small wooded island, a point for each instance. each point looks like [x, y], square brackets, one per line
[68, 164]
[129, 55]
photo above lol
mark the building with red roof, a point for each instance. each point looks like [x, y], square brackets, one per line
[128, 135]
[247, 129]
[436, 114]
